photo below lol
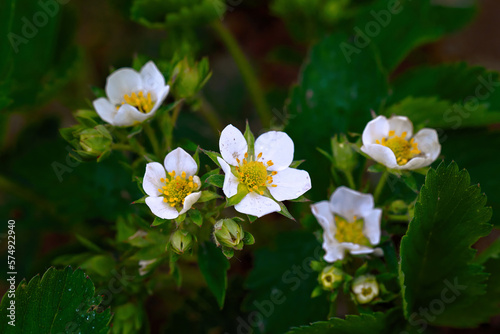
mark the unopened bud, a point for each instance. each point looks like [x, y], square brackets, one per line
[95, 141]
[331, 277]
[228, 233]
[181, 241]
[365, 288]
[344, 156]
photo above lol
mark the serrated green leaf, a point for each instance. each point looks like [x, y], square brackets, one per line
[436, 254]
[49, 304]
[376, 323]
[214, 266]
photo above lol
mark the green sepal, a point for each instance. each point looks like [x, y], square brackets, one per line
[196, 216]
[216, 180]
[248, 239]
[212, 155]
[242, 192]
[207, 196]
[249, 137]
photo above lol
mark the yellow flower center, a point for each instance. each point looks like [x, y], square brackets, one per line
[350, 231]
[403, 149]
[177, 188]
[142, 102]
[254, 174]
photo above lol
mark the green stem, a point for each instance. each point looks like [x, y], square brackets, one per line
[152, 139]
[350, 179]
[380, 185]
[175, 114]
[399, 218]
[210, 115]
[247, 72]
[336, 179]
[333, 310]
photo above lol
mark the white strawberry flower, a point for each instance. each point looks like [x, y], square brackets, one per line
[391, 143]
[132, 97]
[264, 173]
[173, 192]
[350, 224]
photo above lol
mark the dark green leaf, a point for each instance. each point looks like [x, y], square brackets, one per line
[59, 299]
[208, 196]
[216, 180]
[282, 279]
[436, 254]
[196, 216]
[333, 96]
[214, 265]
[159, 221]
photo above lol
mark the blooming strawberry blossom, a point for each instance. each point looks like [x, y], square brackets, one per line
[391, 143]
[263, 174]
[132, 97]
[173, 192]
[350, 223]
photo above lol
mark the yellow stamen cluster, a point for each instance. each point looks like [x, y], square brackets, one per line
[350, 231]
[254, 174]
[403, 149]
[142, 102]
[176, 188]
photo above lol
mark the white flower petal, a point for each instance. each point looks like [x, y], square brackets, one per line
[122, 82]
[334, 251]
[232, 145]
[151, 182]
[381, 154]
[357, 249]
[257, 205]
[180, 161]
[376, 129]
[324, 215]
[152, 79]
[349, 203]
[276, 146]
[197, 180]
[189, 201]
[160, 208]
[428, 143]
[401, 124]
[160, 95]
[371, 228]
[230, 187]
[416, 163]
[105, 109]
[291, 183]
[128, 116]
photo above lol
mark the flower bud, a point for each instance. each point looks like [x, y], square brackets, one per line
[190, 77]
[181, 241]
[331, 277]
[228, 233]
[344, 156]
[95, 141]
[365, 288]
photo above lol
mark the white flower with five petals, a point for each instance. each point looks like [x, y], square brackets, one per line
[391, 143]
[263, 174]
[173, 192]
[350, 223]
[132, 97]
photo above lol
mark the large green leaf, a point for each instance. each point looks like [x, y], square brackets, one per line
[397, 28]
[457, 83]
[333, 96]
[281, 284]
[440, 114]
[214, 266]
[391, 322]
[436, 270]
[477, 151]
[62, 301]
